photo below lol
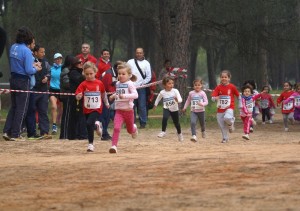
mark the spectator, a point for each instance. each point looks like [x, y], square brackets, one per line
[103, 64]
[85, 54]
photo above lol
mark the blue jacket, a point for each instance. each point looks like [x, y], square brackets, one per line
[21, 60]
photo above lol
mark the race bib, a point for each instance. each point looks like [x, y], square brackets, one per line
[287, 106]
[224, 102]
[195, 102]
[264, 104]
[250, 105]
[92, 100]
[297, 101]
[170, 103]
[121, 89]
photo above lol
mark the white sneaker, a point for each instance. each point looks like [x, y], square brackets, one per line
[98, 128]
[224, 141]
[113, 149]
[231, 128]
[246, 136]
[90, 148]
[286, 129]
[270, 121]
[134, 135]
[161, 134]
[194, 138]
[6, 137]
[203, 134]
[180, 137]
[251, 129]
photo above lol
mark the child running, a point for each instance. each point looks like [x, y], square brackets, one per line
[124, 97]
[224, 95]
[171, 97]
[287, 109]
[295, 97]
[198, 100]
[92, 90]
[266, 104]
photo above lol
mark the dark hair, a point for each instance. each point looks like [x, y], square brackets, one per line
[289, 83]
[166, 80]
[265, 86]
[24, 35]
[226, 72]
[250, 82]
[167, 60]
[104, 49]
[37, 48]
[67, 62]
[247, 87]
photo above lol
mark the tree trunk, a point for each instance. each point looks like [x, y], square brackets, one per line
[97, 30]
[211, 65]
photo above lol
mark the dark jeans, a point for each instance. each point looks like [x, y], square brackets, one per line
[30, 120]
[104, 119]
[265, 113]
[175, 117]
[65, 118]
[141, 105]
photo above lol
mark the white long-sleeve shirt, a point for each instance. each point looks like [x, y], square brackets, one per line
[169, 99]
[145, 68]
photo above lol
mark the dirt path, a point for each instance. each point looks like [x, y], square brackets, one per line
[155, 174]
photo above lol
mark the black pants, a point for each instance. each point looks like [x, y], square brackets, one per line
[175, 118]
[265, 112]
[90, 124]
[77, 121]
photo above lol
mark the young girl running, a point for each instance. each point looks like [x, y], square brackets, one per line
[92, 90]
[295, 98]
[171, 97]
[224, 95]
[198, 100]
[124, 97]
[287, 109]
[266, 104]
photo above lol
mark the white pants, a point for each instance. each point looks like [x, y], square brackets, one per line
[224, 120]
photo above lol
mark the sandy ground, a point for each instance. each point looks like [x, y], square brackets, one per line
[155, 174]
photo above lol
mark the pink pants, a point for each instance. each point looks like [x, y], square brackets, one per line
[120, 117]
[247, 120]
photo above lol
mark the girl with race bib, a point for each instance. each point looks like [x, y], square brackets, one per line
[124, 97]
[92, 91]
[198, 100]
[171, 97]
[224, 95]
[266, 104]
[287, 108]
[295, 98]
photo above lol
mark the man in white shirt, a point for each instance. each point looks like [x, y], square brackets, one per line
[142, 70]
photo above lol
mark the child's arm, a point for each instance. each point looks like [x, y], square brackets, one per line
[159, 97]
[187, 103]
[290, 98]
[255, 97]
[272, 104]
[178, 97]
[215, 95]
[205, 100]
[78, 92]
[279, 99]
[104, 98]
[133, 94]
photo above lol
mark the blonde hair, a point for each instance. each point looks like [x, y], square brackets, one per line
[124, 65]
[90, 65]
[198, 81]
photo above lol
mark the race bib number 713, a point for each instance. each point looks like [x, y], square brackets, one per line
[92, 100]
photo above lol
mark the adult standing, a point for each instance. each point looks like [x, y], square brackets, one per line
[142, 69]
[22, 67]
[86, 55]
[103, 63]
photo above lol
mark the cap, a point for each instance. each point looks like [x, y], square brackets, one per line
[57, 55]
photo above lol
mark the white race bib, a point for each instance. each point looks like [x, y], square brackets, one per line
[121, 89]
[170, 103]
[297, 101]
[195, 102]
[287, 106]
[223, 101]
[264, 104]
[249, 105]
[92, 100]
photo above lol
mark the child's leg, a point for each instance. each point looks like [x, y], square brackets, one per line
[263, 114]
[193, 122]
[90, 125]
[243, 118]
[129, 120]
[166, 115]
[201, 117]
[291, 117]
[220, 119]
[285, 120]
[267, 110]
[247, 124]
[118, 121]
[175, 118]
[229, 117]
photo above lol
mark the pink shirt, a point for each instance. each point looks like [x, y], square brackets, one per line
[194, 98]
[129, 93]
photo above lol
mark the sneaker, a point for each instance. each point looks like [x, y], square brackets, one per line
[246, 136]
[231, 128]
[20, 138]
[106, 138]
[142, 126]
[203, 134]
[54, 129]
[6, 137]
[134, 135]
[90, 148]
[286, 129]
[194, 138]
[98, 128]
[35, 137]
[46, 136]
[251, 129]
[180, 137]
[113, 149]
[253, 122]
[270, 121]
[224, 141]
[161, 134]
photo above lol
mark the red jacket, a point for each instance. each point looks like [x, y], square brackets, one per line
[90, 58]
[288, 107]
[102, 67]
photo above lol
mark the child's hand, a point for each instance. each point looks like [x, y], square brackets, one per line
[154, 108]
[112, 97]
[79, 96]
[175, 98]
[183, 110]
[214, 99]
[200, 103]
[121, 96]
[107, 106]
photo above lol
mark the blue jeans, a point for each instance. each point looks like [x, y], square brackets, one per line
[141, 105]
